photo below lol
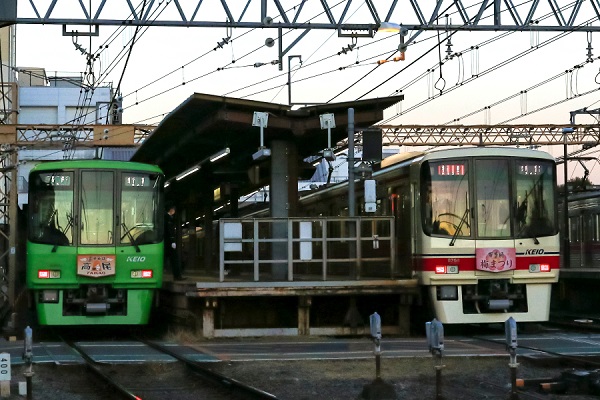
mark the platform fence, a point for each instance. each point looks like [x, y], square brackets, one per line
[306, 249]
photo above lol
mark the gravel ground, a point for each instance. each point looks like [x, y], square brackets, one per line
[406, 378]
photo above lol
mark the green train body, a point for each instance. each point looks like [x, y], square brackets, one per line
[95, 241]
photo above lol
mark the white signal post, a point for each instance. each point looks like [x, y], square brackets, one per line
[5, 375]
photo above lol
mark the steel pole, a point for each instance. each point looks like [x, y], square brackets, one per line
[351, 188]
[565, 233]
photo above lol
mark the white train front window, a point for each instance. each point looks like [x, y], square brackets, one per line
[535, 200]
[492, 191]
[445, 198]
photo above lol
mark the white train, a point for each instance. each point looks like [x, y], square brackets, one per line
[478, 227]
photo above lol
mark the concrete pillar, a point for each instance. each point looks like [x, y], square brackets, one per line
[304, 303]
[283, 198]
[234, 198]
[192, 245]
[404, 314]
[207, 248]
[208, 317]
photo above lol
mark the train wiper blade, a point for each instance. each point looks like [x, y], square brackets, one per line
[459, 227]
[535, 239]
[130, 236]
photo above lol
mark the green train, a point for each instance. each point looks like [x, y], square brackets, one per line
[94, 241]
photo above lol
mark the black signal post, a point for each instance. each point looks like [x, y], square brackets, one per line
[565, 233]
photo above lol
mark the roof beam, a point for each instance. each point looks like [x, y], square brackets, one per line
[582, 15]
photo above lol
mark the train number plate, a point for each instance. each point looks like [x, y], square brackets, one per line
[95, 266]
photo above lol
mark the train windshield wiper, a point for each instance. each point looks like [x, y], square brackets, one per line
[459, 227]
[130, 236]
[529, 234]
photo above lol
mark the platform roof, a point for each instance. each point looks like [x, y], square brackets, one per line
[205, 124]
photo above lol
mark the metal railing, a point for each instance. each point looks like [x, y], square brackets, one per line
[305, 249]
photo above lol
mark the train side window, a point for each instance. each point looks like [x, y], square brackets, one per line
[575, 229]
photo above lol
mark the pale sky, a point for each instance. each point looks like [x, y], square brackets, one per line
[519, 72]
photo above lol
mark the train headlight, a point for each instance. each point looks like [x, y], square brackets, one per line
[447, 292]
[446, 269]
[539, 268]
[49, 296]
[48, 274]
[545, 267]
[142, 274]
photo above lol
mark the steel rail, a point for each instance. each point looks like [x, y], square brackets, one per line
[90, 363]
[212, 376]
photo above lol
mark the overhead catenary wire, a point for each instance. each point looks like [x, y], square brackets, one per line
[482, 73]
[515, 95]
[259, 92]
[220, 45]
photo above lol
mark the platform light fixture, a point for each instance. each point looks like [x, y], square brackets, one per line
[328, 122]
[261, 119]
[386, 26]
[317, 162]
[187, 172]
[220, 154]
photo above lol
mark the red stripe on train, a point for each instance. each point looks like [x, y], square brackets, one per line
[429, 264]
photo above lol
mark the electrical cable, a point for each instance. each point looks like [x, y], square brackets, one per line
[513, 96]
[487, 71]
[4, 111]
[219, 46]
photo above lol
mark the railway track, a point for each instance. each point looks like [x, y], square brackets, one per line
[182, 379]
[580, 375]
[137, 368]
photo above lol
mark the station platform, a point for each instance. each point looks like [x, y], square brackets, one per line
[240, 307]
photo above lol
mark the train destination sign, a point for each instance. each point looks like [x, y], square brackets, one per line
[531, 169]
[453, 169]
[57, 179]
[136, 181]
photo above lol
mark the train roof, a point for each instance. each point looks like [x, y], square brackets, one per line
[465, 152]
[582, 195]
[401, 160]
[96, 164]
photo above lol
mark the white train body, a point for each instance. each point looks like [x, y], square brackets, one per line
[478, 227]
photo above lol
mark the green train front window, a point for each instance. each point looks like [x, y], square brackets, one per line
[139, 208]
[97, 205]
[51, 208]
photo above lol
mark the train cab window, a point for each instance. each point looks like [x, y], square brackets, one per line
[535, 199]
[492, 191]
[445, 201]
[139, 209]
[51, 205]
[97, 205]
